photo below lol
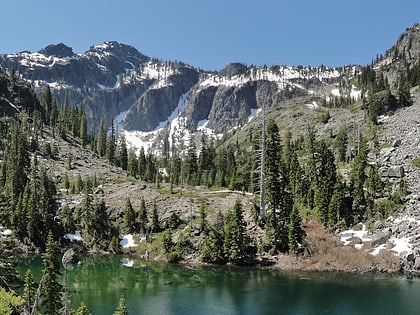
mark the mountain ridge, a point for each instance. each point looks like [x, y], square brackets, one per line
[114, 79]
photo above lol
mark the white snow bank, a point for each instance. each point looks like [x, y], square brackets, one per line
[378, 249]
[345, 236]
[128, 241]
[6, 232]
[312, 105]
[401, 245]
[74, 237]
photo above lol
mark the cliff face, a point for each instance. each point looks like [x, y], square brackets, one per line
[16, 96]
[113, 78]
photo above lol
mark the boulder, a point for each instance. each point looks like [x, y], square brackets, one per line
[396, 143]
[69, 258]
[396, 171]
[379, 225]
[380, 237]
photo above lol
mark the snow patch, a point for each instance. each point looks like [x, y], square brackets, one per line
[74, 237]
[345, 236]
[401, 245]
[254, 112]
[128, 241]
[313, 105]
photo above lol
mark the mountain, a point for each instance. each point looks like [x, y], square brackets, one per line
[146, 95]
[115, 79]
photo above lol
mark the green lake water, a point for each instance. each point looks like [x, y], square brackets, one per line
[157, 288]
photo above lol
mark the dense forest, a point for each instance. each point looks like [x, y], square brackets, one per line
[325, 177]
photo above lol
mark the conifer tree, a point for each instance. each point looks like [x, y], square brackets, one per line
[101, 139]
[236, 240]
[143, 220]
[51, 291]
[358, 178]
[29, 290]
[129, 216]
[111, 144]
[132, 164]
[295, 233]
[47, 101]
[82, 310]
[83, 130]
[122, 307]
[191, 166]
[155, 219]
[122, 153]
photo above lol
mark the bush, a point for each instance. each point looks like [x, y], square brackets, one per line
[416, 162]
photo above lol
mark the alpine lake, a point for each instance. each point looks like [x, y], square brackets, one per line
[159, 288]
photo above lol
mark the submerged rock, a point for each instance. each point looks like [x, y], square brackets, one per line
[69, 258]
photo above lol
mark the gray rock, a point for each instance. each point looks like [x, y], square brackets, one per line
[379, 225]
[380, 237]
[69, 258]
[396, 143]
[396, 171]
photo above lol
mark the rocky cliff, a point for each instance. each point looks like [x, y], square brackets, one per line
[113, 78]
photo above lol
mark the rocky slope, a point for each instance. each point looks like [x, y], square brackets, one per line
[402, 132]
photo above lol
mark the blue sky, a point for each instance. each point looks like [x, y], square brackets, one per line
[212, 33]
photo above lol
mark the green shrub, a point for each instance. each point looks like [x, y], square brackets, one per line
[416, 162]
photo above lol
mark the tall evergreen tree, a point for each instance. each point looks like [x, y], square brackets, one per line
[155, 219]
[29, 290]
[143, 220]
[111, 146]
[123, 153]
[51, 292]
[295, 232]
[101, 139]
[129, 216]
[236, 241]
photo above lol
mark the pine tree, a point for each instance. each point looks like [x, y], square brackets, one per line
[9, 277]
[111, 144]
[122, 153]
[132, 164]
[101, 139]
[47, 101]
[122, 307]
[236, 241]
[358, 178]
[295, 234]
[29, 290]
[143, 220]
[129, 217]
[155, 219]
[142, 165]
[336, 205]
[83, 130]
[51, 292]
[82, 310]
[341, 144]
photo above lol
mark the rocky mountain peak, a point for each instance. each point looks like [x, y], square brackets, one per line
[233, 69]
[121, 51]
[59, 50]
[407, 46]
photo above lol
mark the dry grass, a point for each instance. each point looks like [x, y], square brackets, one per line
[325, 252]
